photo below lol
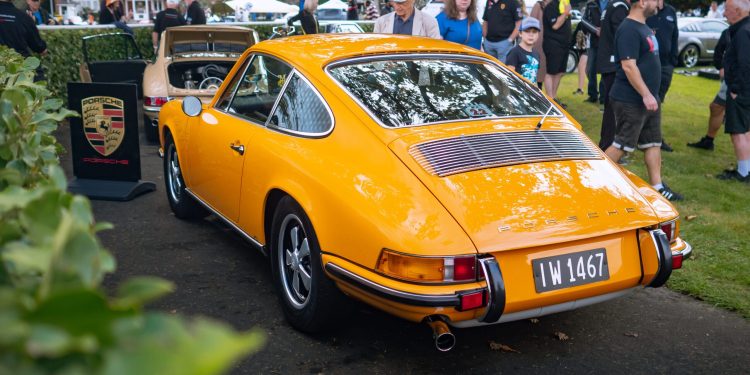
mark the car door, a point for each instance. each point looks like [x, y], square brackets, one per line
[711, 33]
[112, 58]
[221, 140]
[300, 118]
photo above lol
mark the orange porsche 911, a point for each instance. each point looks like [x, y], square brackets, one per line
[419, 176]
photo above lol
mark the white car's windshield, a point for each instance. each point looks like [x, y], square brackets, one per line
[408, 92]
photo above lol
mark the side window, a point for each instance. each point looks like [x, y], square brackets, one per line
[301, 110]
[714, 27]
[259, 87]
[226, 96]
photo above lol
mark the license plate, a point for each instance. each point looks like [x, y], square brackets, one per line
[568, 270]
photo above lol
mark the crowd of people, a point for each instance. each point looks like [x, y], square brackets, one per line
[630, 48]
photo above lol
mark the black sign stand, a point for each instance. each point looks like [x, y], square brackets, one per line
[104, 141]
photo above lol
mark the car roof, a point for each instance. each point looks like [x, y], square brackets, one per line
[321, 49]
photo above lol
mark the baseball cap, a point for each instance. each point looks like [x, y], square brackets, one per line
[530, 23]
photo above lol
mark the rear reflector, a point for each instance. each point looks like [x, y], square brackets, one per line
[676, 261]
[472, 300]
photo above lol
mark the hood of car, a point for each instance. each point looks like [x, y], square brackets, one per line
[520, 188]
[208, 41]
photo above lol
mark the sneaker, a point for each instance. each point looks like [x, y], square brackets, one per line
[591, 99]
[670, 194]
[563, 105]
[665, 146]
[705, 143]
[732, 174]
[624, 160]
[578, 92]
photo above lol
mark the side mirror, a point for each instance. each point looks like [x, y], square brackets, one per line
[192, 106]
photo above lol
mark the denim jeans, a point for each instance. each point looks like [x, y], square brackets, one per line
[498, 50]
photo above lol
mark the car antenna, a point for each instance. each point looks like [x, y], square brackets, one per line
[539, 125]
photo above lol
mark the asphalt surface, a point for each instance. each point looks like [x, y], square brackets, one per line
[219, 275]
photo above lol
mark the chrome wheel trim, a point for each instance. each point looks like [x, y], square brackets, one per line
[174, 177]
[690, 57]
[294, 260]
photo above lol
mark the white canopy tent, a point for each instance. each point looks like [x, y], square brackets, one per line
[262, 6]
[334, 4]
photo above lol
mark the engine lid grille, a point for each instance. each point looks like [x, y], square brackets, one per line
[448, 156]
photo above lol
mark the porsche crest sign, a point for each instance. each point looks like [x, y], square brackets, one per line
[103, 123]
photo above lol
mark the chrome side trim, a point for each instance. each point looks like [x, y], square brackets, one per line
[151, 109]
[246, 236]
[359, 282]
[433, 56]
[545, 310]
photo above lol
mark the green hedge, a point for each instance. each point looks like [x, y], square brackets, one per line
[65, 51]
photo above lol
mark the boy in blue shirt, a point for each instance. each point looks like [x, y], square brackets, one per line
[522, 58]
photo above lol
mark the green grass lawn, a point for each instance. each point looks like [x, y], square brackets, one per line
[719, 271]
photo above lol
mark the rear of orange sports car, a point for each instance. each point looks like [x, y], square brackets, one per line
[554, 224]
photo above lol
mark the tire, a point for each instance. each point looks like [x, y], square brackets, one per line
[572, 62]
[182, 204]
[689, 56]
[310, 300]
[152, 132]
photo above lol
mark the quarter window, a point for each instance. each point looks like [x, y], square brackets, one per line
[300, 109]
[259, 87]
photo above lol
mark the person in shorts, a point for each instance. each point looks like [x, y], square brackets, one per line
[634, 94]
[737, 76]
[557, 32]
[717, 108]
[522, 57]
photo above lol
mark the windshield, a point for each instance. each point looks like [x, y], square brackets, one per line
[422, 91]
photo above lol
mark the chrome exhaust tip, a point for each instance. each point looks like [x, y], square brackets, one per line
[444, 339]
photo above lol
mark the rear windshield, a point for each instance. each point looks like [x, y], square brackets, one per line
[408, 92]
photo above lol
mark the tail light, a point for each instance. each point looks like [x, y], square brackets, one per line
[428, 269]
[670, 229]
[155, 101]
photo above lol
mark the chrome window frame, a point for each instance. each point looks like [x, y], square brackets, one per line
[276, 100]
[331, 117]
[429, 56]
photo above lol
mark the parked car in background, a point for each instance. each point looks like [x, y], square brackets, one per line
[418, 176]
[191, 60]
[698, 38]
[112, 58]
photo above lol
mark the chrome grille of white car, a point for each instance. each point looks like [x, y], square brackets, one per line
[444, 157]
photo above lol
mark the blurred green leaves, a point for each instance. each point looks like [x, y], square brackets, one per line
[54, 315]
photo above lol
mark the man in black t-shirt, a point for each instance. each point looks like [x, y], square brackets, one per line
[634, 92]
[501, 21]
[664, 24]
[166, 18]
[194, 14]
[612, 17]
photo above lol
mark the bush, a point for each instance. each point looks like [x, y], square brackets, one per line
[54, 315]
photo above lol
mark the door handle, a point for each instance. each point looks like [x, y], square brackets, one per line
[240, 149]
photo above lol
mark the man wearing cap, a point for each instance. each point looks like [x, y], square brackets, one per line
[522, 58]
[407, 20]
[502, 18]
[166, 18]
[634, 94]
